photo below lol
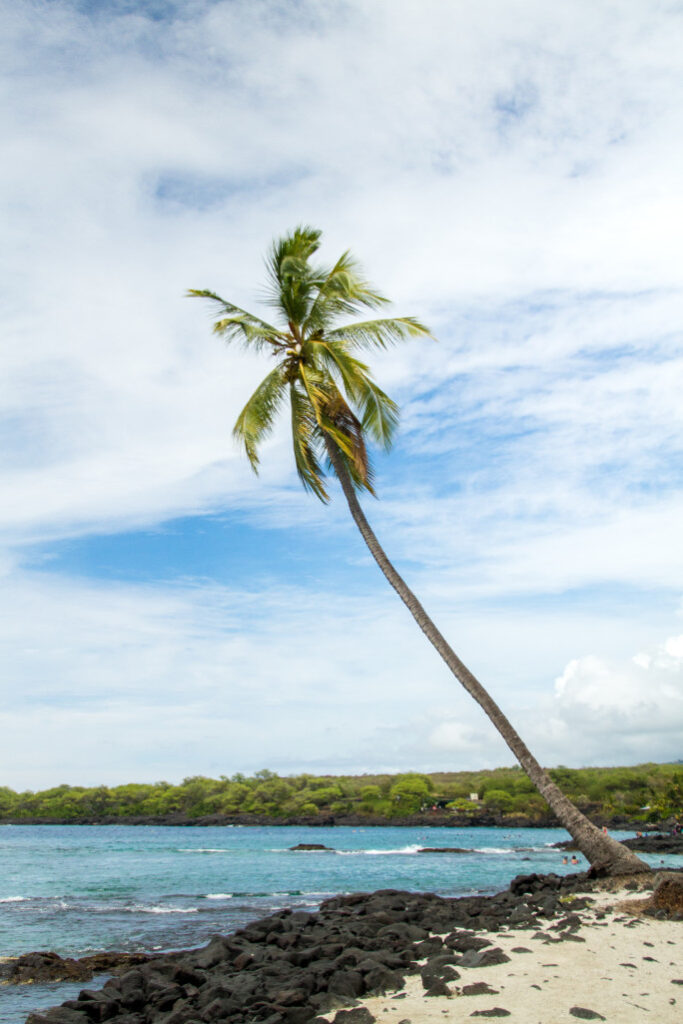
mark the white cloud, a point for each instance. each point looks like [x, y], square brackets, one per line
[104, 682]
[602, 711]
[638, 704]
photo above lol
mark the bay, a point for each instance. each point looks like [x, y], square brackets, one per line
[82, 888]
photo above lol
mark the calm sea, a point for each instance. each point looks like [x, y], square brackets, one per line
[78, 889]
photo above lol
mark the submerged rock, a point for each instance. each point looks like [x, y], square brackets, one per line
[311, 846]
[443, 849]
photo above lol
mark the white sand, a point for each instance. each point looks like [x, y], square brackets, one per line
[623, 971]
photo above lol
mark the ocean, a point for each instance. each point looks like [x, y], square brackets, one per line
[78, 889]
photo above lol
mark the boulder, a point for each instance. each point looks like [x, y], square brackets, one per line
[667, 899]
[43, 967]
[485, 958]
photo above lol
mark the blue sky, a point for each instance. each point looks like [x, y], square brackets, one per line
[509, 173]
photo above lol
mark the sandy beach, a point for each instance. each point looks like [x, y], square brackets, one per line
[612, 964]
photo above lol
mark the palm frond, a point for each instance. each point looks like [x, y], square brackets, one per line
[291, 278]
[338, 421]
[257, 418]
[239, 325]
[341, 291]
[341, 424]
[317, 388]
[379, 413]
[379, 333]
[306, 440]
[337, 361]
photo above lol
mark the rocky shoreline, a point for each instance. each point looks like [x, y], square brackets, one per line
[658, 843]
[293, 966]
[432, 819]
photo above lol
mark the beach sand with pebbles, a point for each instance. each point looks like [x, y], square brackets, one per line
[604, 962]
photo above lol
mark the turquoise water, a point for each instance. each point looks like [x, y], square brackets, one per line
[78, 889]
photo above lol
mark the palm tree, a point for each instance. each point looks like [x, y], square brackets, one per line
[335, 405]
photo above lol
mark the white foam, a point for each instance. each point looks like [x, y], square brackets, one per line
[218, 896]
[14, 899]
[402, 851]
[202, 849]
[162, 910]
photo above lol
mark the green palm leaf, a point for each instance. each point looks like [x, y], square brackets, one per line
[379, 333]
[239, 325]
[257, 418]
[379, 413]
[292, 280]
[342, 291]
[306, 440]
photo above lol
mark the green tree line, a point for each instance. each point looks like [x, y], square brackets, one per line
[647, 792]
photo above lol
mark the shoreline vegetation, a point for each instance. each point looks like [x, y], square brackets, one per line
[643, 798]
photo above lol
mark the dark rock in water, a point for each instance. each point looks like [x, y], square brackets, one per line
[658, 843]
[44, 967]
[443, 849]
[311, 846]
[583, 1014]
[57, 1015]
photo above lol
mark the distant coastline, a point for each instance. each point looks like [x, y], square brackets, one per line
[640, 797]
[427, 820]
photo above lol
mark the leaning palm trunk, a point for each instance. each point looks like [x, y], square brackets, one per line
[335, 407]
[605, 855]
